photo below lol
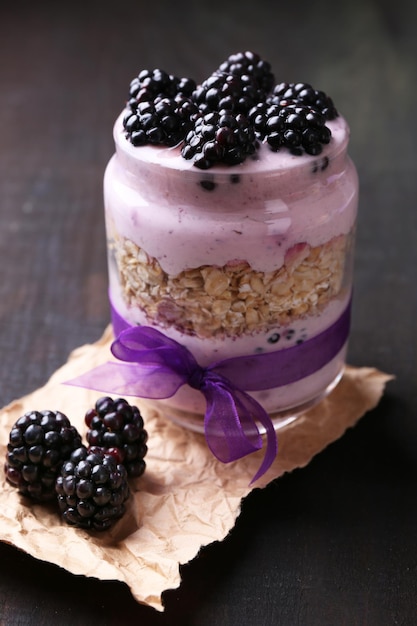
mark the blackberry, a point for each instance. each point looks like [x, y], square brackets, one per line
[117, 427]
[220, 137]
[160, 110]
[152, 83]
[92, 489]
[304, 94]
[39, 442]
[236, 93]
[250, 64]
[239, 83]
[297, 127]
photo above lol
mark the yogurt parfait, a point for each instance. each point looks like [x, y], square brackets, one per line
[230, 214]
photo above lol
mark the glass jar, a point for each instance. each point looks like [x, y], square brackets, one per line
[251, 259]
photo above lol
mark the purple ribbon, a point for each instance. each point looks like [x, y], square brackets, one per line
[155, 366]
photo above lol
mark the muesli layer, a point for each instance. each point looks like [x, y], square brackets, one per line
[232, 300]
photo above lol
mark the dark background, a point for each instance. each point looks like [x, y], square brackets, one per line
[332, 544]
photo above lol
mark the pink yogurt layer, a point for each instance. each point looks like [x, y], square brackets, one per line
[279, 200]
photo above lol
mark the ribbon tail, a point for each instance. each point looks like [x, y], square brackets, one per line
[271, 441]
[230, 424]
[130, 379]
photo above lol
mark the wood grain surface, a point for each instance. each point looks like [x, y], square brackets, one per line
[329, 545]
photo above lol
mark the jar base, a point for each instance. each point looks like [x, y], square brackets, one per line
[280, 419]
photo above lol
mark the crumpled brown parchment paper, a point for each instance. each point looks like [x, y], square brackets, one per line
[186, 498]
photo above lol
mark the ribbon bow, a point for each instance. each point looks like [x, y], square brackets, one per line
[156, 366]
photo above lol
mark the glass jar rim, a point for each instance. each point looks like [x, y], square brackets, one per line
[265, 161]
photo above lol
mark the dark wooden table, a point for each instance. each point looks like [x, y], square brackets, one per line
[329, 545]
